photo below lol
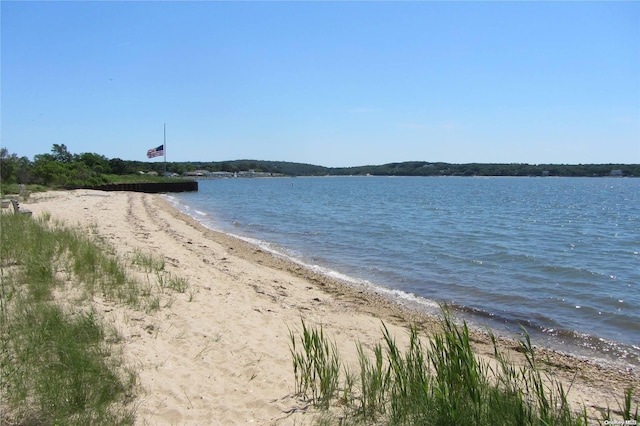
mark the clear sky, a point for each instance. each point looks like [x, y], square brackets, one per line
[327, 83]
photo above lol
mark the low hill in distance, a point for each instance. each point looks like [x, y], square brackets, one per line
[422, 168]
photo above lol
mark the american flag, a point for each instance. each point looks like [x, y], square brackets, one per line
[156, 152]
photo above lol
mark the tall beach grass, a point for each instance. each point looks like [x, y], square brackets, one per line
[438, 380]
[56, 366]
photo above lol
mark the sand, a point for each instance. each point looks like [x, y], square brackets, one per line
[220, 352]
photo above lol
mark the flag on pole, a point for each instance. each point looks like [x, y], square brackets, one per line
[156, 152]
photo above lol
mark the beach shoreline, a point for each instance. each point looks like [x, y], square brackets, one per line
[585, 347]
[222, 351]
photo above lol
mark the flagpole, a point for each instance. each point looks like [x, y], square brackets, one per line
[165, 148]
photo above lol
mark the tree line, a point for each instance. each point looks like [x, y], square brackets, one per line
[423, 168]
[62, 168]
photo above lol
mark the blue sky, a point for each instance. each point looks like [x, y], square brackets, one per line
[328, 83]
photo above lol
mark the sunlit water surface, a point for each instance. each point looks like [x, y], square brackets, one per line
[560, 256]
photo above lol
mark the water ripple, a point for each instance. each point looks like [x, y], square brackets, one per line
[559, 255]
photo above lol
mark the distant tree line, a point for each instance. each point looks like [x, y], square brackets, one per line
[417, 168]
[62, 168]
[57, 168]
[423, 168]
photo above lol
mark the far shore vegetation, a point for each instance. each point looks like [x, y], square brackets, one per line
[60, 168]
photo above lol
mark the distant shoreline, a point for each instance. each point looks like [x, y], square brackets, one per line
[411, 168]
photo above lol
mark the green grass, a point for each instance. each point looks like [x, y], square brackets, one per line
[14, 188]
[57, 369]
[165, 280]
[316, 367]
[147, 262]
[55, 365]
[169, 281]
[177, 284]
[442, 383]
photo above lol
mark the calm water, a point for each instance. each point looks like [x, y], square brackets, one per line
[560, 256]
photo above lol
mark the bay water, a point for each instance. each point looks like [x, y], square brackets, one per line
[559, 256]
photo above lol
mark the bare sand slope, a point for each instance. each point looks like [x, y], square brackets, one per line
[220, 352]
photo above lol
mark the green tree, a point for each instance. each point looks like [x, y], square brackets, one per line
[78, 174]
[24, 170]
[49, 172]
[96, 162]
[61, 153]
[118, 166]
[8, 166]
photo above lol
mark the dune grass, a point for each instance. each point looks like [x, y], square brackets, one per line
[57, 369]
[147, 262]
[316, 367]
[56, 366]
[440, 383]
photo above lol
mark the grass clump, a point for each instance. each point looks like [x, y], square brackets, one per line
[147, 262]
[49, 254]
[55, 367]
[374, 381]
[316, 366]
[169, 281]
[165, 280]
[59, 371]
[441, 383]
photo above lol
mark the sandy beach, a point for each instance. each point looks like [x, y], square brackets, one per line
[220, 352]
